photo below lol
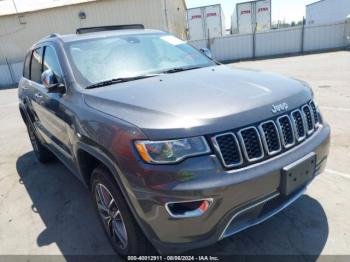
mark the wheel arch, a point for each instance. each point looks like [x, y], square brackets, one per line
[88, 159]
[88, 153]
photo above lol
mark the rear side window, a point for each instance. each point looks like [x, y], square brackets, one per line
[26, 67]
[36, 65]
[51, 62]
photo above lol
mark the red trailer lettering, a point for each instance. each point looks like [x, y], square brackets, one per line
[243, 12]
[211, 14]
[263, 9]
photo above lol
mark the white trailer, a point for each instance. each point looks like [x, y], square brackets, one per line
[251, 16]
[327, 12]
[205, 22]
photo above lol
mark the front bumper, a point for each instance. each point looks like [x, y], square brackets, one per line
[242, 198]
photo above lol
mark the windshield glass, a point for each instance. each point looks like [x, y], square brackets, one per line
[102, 59]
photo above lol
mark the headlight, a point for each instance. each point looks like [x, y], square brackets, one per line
[171, 151]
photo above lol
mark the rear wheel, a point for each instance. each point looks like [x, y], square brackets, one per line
[120, 226]
[41, 152]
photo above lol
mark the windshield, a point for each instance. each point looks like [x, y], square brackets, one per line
[102, 59]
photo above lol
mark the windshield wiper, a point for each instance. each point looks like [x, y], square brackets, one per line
[133, 78]
[180, 69]
[119, 80]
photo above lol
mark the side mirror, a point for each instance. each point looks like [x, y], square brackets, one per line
[51, 83]
[206, 52]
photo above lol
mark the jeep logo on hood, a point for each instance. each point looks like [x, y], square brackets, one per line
[279, 108]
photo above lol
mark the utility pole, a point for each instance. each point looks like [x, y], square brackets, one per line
[302, 36]
[166, 15]
[14, 4]
[16, 10]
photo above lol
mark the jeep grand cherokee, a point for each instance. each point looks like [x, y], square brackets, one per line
[178, 150]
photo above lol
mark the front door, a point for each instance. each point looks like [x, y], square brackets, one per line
[51, 115]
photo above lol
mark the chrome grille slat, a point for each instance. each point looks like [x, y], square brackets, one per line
[286, 131]
[299, 125]
[228, 149]
[251, 144]
[309, 119]
[315, 114]
[268, 138]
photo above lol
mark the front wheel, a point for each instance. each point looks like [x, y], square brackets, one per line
[120, 226]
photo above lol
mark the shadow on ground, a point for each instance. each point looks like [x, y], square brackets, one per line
[65, 207]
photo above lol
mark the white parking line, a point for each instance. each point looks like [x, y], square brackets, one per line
[336, 108]
[338, 173]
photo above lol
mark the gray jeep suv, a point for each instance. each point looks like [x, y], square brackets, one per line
[178, 150]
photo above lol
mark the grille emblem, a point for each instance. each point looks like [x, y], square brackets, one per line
[279, 108]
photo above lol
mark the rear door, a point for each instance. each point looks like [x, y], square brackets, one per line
[32, 84]
[213, 23]
[25, 88]
[195, 24]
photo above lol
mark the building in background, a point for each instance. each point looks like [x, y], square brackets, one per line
[251, 16]
[327, 11]
[20, 28]
[206, 22]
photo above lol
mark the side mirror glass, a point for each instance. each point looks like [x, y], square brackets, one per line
[206, 52]
[49, 80]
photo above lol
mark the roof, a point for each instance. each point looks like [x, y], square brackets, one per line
[87, 36]
[202, 6]
[11, 7]
[316, 2]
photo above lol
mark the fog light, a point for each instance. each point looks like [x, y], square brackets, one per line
[188, 208]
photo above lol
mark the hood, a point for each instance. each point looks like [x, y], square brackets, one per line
[198, 102]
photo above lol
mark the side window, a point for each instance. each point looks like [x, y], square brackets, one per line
[51, 62]
[36, 65]
[26, 66]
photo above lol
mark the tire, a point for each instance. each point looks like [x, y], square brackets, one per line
[41, 152]
[135, 242]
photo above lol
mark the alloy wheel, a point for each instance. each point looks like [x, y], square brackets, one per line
[111, 217]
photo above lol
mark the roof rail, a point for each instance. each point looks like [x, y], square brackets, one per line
[49, 36]
[86, 30]
[53, 35]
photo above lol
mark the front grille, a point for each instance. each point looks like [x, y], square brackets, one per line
[309, 118]
[251, 143]
[229, 149]
[287, 131]
[270, 136]
[299, 125]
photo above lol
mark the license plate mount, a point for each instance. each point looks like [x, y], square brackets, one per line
[297, 174]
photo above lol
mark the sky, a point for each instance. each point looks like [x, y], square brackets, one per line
[288, 10]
